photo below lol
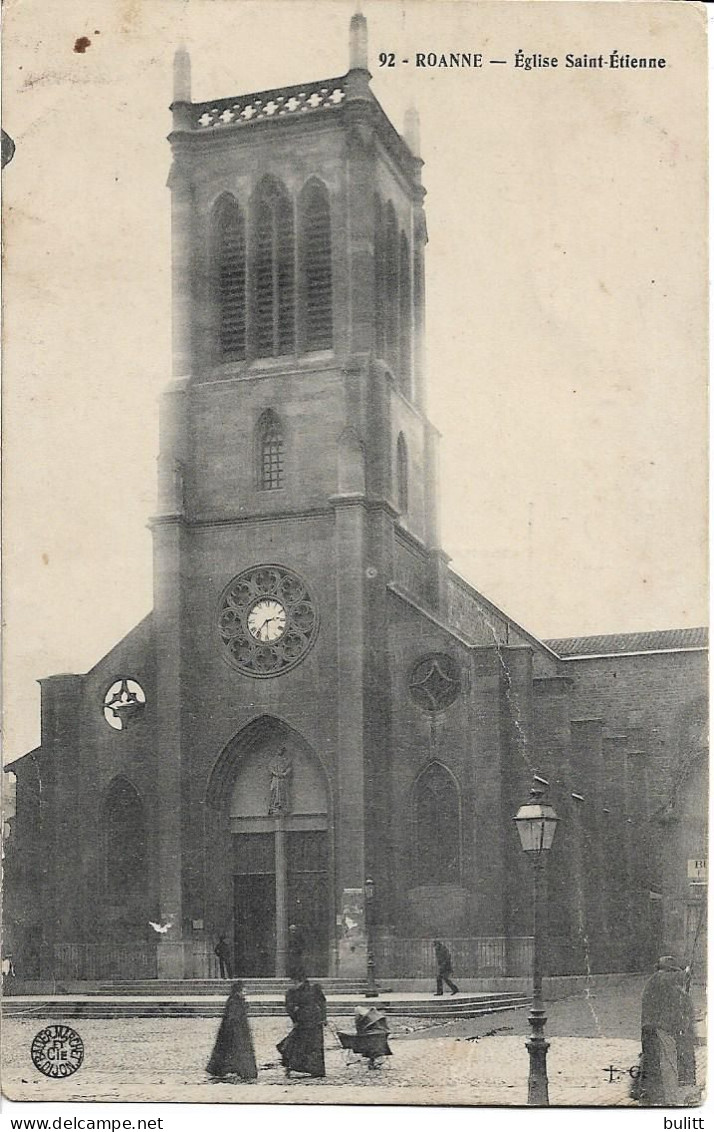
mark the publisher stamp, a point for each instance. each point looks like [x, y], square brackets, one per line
[57, 1051]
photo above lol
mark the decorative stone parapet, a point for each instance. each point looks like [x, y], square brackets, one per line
[324, 96]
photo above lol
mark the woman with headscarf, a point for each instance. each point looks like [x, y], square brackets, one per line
[667, 1035]
[303, 1050]
[233, 1054]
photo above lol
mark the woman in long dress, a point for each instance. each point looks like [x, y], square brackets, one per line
[233, 1054]
[303, 1050]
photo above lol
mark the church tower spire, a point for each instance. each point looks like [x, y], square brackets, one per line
[358, 43]
[182, 74]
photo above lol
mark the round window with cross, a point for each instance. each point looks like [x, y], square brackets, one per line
[124, 703]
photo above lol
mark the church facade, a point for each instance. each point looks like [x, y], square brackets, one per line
[317, 700]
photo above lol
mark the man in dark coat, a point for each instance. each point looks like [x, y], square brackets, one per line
[303, 1050]
[443, 968]
[296, 968]
[667, 1036]
[233, 1054]
[223, 953]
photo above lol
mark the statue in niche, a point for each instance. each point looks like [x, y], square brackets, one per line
[280, 775]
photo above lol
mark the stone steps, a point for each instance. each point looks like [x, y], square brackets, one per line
[183, 987]
[211, 1006]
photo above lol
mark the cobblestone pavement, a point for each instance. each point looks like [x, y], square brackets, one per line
[163, 1059]
[610, 1012]
[475, 1061]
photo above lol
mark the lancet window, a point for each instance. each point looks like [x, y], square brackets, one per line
[125, 847]
[230, 270]
[315, 268]
[438, 827]
[270, 452]
[273, 272]
[405, 318]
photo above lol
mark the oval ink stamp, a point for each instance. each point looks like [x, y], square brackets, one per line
[57, 1051]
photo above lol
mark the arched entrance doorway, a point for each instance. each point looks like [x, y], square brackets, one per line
[269, 850]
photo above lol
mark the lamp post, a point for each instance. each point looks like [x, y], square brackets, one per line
[371, 991]
[536, 822]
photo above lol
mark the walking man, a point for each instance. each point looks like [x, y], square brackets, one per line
[303, 1050]
[223, 953]
[8, 974]
[296, 968]
[444, 969]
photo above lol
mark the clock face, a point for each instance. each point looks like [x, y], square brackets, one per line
[266, 620]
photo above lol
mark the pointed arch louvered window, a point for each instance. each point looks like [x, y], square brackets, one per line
[437, 816]
[270, 452]
[273, 272]
[390, 297]
[230, 265]
[316, 267]
[379, 280]
[405, 318]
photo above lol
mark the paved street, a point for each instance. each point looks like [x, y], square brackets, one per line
[479, 1061]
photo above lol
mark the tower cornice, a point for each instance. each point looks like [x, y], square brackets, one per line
[313, 105]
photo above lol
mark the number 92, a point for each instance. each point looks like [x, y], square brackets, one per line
[387, 59]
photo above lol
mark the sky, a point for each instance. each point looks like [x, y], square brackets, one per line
[566, 301]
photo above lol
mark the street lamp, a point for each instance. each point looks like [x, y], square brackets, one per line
[536, 822]
[371, 991]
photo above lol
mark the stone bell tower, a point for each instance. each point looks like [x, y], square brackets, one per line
[293, 436]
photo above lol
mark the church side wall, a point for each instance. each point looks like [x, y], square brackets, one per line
[69, 917]
[465, 738]
[610, 736]
[654, 724]
[643, 697]
[106, 754]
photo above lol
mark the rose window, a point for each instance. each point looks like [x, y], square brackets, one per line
[267, 621]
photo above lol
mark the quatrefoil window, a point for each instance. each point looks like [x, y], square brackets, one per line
[267, 621]
[435, 681]
[124, 702]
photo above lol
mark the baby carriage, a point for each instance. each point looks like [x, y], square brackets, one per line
[370, 1040]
